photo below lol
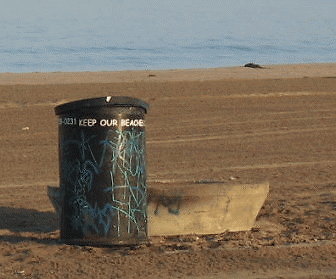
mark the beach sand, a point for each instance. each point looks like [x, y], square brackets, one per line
[276, 124]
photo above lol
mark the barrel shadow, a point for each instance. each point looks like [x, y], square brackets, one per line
[27, 220]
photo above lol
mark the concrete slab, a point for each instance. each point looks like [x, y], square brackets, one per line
[204, 208]
[197, 207]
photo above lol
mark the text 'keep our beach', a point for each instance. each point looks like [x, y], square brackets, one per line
[92, 122]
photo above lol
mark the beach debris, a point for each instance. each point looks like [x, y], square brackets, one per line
[253, 65]
[233, 178]
[108, 98]
[25, 128]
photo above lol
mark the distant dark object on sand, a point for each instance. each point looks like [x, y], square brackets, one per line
[252, 65]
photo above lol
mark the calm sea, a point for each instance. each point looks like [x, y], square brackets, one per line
[85, 35]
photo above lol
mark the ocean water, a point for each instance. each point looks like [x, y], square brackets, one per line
[103, 35]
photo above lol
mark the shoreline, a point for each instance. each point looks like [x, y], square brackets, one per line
[327, 70]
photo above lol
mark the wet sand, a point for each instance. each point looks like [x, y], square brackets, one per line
[275, 124]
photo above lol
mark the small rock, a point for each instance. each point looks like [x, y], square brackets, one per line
[253, 65]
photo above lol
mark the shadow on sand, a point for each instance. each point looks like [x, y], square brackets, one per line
[27, 220]
[41, 225]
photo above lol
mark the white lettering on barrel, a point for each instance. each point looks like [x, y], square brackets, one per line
[90, 122]
[108, 122]
[87, 122]
[124, 122]
[72, 121]
[132, 123]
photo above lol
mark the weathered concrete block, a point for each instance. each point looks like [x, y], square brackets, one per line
[204, 208]
[197, 207]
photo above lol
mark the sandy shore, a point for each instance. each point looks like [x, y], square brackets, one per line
[275, 124]
[269, 72]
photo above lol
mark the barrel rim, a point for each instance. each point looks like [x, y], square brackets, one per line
[113, 101]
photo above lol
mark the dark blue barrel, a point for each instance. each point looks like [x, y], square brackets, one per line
[102, 157]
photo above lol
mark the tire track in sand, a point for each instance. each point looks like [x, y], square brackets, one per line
[241, 135]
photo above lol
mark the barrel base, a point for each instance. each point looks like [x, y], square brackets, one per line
[106, 242]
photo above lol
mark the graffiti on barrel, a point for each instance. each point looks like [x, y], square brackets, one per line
[103, 177]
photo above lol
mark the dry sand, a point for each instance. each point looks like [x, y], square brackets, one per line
[276, 124]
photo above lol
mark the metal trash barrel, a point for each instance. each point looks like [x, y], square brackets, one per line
[102, 157]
